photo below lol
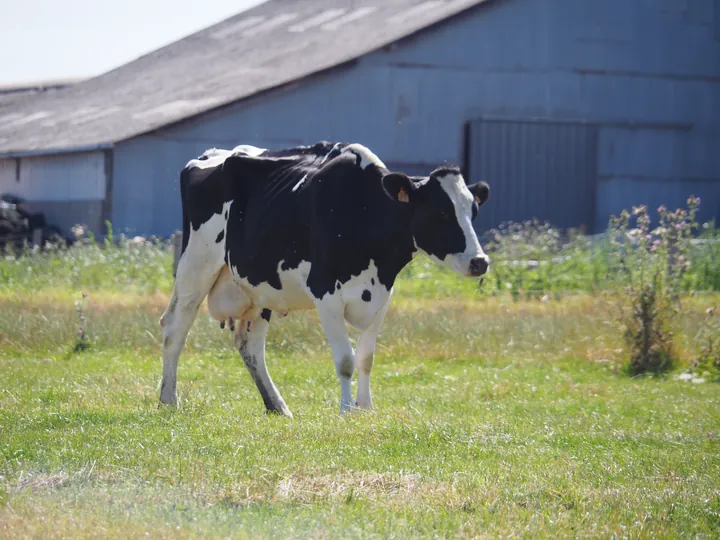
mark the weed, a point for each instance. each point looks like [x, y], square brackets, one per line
[82, 340]
[651, 264]
[708, 337]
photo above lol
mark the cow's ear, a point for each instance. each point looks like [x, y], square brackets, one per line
[480, 192]
[398, 186]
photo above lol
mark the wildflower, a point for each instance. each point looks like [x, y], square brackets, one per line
[661, 209]
[648, 236]
[78, 231]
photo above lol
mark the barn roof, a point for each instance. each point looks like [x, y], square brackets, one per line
[266, 47]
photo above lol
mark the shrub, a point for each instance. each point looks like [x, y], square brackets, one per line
[651, 266]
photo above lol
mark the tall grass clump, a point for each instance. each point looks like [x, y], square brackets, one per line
[651, 264]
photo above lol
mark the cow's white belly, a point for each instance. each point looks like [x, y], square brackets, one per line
[361, 297]
[233, 296]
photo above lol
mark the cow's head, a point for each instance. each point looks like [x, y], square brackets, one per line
[443, 209]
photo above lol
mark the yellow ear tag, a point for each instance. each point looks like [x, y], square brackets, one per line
[477, 200]
[403, 196]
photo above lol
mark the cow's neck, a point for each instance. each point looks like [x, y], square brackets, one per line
[401, 248]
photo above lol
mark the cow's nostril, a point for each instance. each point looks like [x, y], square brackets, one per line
[478, 266]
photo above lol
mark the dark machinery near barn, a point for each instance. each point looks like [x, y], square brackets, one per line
[20, 226]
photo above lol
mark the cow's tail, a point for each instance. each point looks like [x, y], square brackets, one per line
[184, 183]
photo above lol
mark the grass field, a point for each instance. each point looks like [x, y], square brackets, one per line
[493, 417]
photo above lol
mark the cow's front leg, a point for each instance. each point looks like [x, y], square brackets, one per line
[250, 341]
[333, 322]
[365, 355]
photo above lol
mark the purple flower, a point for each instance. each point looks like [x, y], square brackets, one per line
[661, 208]
[648, 236]
[678, 225]
[681, 257]
[656, 243]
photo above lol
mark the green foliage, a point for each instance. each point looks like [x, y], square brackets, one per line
[528, 260]
[533, 258]
[128, 264]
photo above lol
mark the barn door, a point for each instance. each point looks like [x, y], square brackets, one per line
[536, 169]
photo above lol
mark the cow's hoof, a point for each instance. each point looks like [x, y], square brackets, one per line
[348, 408]
[167, 405]
[364, 407]
[284, 411]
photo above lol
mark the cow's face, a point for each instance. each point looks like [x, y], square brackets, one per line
[443, 209]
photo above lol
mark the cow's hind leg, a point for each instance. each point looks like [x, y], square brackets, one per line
[250, 341]
[192, 284]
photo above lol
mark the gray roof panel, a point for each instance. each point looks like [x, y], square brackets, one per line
[275, 43]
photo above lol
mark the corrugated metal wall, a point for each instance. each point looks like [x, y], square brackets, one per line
[652, 63]
[544, 170]
[68, 188]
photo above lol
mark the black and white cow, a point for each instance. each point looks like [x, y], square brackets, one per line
[324, 226]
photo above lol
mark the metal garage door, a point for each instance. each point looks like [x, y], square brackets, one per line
[536, 169]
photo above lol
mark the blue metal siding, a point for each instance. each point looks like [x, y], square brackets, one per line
[545, 170]
[649, 62]
[650, 37]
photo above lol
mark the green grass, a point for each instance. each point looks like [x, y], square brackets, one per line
[496, 413]
[492, 417]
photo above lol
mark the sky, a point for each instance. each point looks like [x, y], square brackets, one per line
[59, 39]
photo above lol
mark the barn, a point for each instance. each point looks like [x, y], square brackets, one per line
[570, 109]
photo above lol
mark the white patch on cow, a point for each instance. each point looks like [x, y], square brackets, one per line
[216, 156]
[359, 312]
[293, 296]
[462, 200]
[213, 158]
[300, 183]
[253, 151]
[366, 156]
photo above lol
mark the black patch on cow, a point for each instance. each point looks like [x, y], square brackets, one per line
[372, 281]
[366, 296]
[435, 225]
[444, 170]
[337, 285]
[266, 313]
[315, 204]
[226, 215]
[346, 367]
[220, 237]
